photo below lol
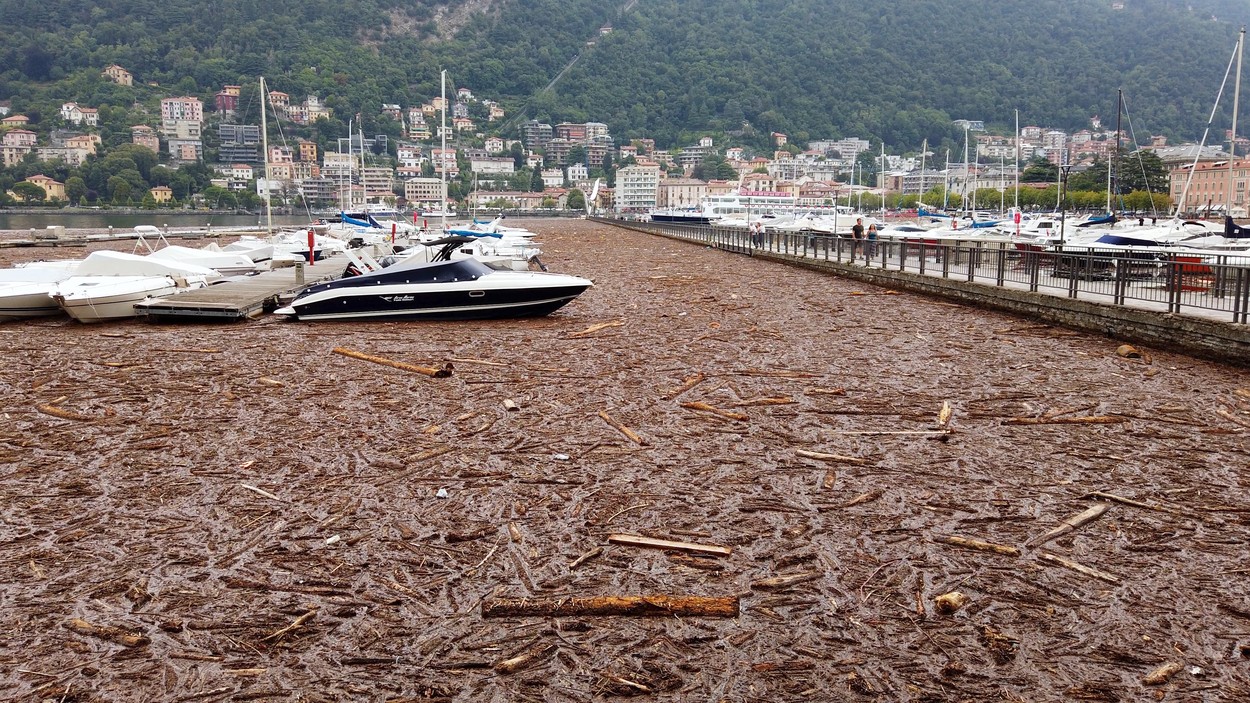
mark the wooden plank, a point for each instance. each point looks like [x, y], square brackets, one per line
[706, 606]
[639, 541]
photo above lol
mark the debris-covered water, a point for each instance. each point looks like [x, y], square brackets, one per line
[236, 512]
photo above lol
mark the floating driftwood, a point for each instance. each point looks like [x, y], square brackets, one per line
[1078, 567]
[779, 582]
[117, 635]
[1072, 523]
[595, 328]
[979, 545]
[525, 659]
[704, 407]
[821, 456]
[616, 424]
[443, 372]
[1162, 674]
[661, 605]
[687, 384]
[1080, 420]
[639, 541]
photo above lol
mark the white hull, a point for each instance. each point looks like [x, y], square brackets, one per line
[24, 292]
[101, 298]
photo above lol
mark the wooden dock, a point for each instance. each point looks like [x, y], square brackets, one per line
[249, 296]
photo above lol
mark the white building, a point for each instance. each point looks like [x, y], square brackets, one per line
[636, 188]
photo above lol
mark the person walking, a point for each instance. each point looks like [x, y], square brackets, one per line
[857, 235]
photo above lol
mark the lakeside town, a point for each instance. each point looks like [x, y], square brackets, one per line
[561, 166]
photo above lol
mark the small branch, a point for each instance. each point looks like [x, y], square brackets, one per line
[1071, 524]
[299, 622]
[633, 436]
[1077, 567]
[1080, 420]
[595, 328]
[697, 405]
[705, 606]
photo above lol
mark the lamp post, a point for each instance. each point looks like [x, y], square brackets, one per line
[1063, 200]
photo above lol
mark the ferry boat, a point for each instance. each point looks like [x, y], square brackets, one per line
[737, 205]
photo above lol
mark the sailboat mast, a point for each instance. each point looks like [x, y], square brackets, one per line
[1016, 202]
[1232, 137]
[1112, 184]
[881, 180]
[924, 148]
[967, 174]
[946, 181]
[442, 157]
[264, 136]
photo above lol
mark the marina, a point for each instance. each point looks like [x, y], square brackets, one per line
[234, 478]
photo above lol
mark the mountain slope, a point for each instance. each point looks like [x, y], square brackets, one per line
[898, 70]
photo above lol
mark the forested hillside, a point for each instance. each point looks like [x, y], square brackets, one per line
[898, 70]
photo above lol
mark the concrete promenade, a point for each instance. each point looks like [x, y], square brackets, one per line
[1200, 308]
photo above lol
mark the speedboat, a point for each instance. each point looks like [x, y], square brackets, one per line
[107, 284]
[464, 289]
[25, 292]
[226, 263]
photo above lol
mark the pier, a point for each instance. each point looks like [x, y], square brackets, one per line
[247, 296]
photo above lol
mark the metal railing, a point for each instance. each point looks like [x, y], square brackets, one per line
[1207, 285]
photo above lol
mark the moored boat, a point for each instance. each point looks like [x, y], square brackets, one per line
[107, 284]
[464, 289]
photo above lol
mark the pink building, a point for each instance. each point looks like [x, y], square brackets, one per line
[184, 108]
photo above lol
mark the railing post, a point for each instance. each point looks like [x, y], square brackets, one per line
[1073, 276]
[1221, 277]
[1121, 281]
[974, 260]
[1002, 264]
[1033, 261]
[1241, 293]
[1174, 283]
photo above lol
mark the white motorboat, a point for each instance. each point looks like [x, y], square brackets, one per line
[107, 284]
[25, 292]
[224, 262]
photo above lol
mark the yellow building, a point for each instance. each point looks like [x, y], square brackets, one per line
[119, 75]
[54, 189]
[162, 194]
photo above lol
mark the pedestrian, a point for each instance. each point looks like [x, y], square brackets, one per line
[857, 234]
[872, 239]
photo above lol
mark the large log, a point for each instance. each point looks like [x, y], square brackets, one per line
[443, 372]
[704, 606]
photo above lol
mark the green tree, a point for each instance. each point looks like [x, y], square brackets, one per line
[536, 181]
[29, 192]
[118, 189]
[75, 189]
[1040, 171]
[576, 200]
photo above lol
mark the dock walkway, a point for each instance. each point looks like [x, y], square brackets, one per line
[248, 296]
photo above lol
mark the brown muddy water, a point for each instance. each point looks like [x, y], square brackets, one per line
[234, 512]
